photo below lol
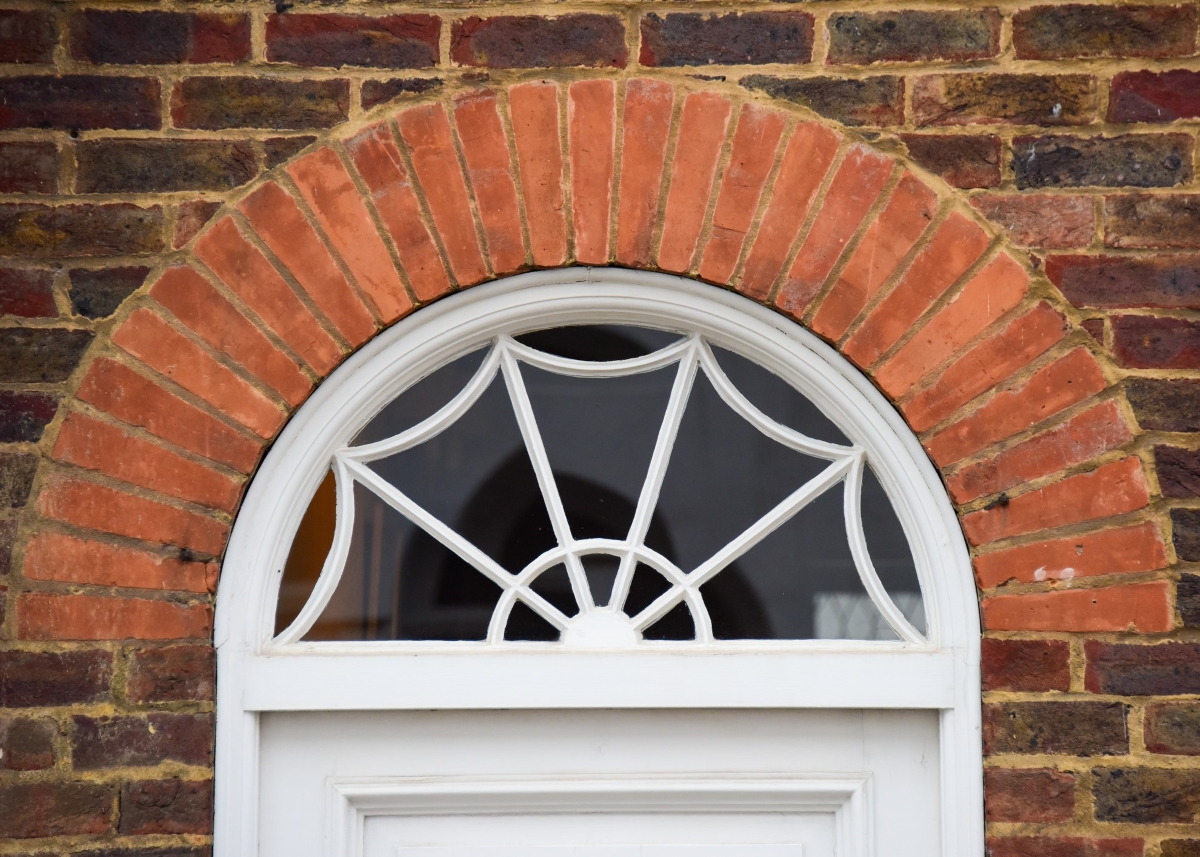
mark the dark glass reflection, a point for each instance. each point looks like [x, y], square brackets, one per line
[800, 582]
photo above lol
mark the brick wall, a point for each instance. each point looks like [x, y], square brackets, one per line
[1047, 355]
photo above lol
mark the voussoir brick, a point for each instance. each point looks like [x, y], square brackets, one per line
[490, 170]
[326, 186]
[377, 160]
[1111, 551]
[648, 108]
[533, 108]
[1110, 490]
[69, 559]
[42, 616]
[591, 141]
[859, 181]
[1143, 608]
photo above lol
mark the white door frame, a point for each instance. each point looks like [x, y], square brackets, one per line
[258, 674]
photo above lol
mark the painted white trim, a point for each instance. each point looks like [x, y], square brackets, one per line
[254, 674]
[350, 802]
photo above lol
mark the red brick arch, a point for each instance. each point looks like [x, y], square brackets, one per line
[173, 411]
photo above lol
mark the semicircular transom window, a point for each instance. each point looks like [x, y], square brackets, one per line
[601, 486]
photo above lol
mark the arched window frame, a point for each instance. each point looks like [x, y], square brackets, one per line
[256, 674]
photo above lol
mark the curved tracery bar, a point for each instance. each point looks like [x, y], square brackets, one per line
[600, 619]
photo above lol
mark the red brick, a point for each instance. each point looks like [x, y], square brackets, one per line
[1080, 439]
[1029, 665]
[888, 239]
[277, 219]
[1038, 795]
[1148, 342]
[1112, 489]
[755, 144]
[1041, 220]
[1173, 728]
[1152, 221]
[156, 38]
[334, 41]
[1112, 551]
[855, 187]
[1064, 846]
[1147, 96]
[243, 267]
[1086, 30]
[954, 247]
[426, 133]
[995, 358]
[95, 445]
[647, 122]
[27, 292]
[489, 167]
[992, 292]
[591, 129]
[535, 121]
[97, 507]
[1065, 382]
[28, 36]
[154, 342]
[172, 674]
[377, 160]
[84, 617]
[1141, 608]
[36, 809]
[192, 216]
[118, 390]
[54, 556]
[536, 41]
[326, 186]
[1165, 280]
[194, 301]
[805, 163]
[697, 149]
[963, 160]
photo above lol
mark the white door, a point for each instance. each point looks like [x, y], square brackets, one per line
[670, 783]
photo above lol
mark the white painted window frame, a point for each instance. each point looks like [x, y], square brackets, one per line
[258, 673]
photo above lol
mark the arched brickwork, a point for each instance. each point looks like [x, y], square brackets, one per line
[980, 353]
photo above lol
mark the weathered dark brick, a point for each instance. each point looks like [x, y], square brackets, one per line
[23, 416]
[1178, 471]
[963, 161]
[166, 806]
[1028, 795]
[27, 743]
[29, 679]
[148, 166]
[1073, 728]
[42, 231]
[8, 541]
[1022, 99]
[375, 92]
[27, 36]
[1147, 96]
[1187, 599]
[1095, 328]
[1146, 795]
[161, 851]
[1165, 404]
[1078, 30]
[216, 103]
[1173, 727]
[97, 292]
[749, 38]
[533, 41]
[1186, 526]
[1152, 220]
[79, 102]
[55, 809]
[862, 101]
[333, 41]
[1026, 664]
[1179, 848]
[1166, 669]
[113, 742]
[172, 674]
[1120, 281]
[1130, 160]
[1148, 342]
[1048, 220]
[44, 355]
[27, 292]
[28, 168]
[1062, 846]
[911, 35]
[16, 478]
[192, 215]
[276, 150]
[153, 38]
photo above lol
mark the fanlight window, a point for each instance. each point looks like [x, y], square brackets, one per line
[600, 486]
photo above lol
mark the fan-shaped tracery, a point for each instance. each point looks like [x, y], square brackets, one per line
[601, 619]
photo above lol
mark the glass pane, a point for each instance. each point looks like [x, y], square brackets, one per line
[601, 570]
[423, 399]
[554, 585]
[307, 556]
[890, 551]
[525, 625]
[677, 624]
[600, 342]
